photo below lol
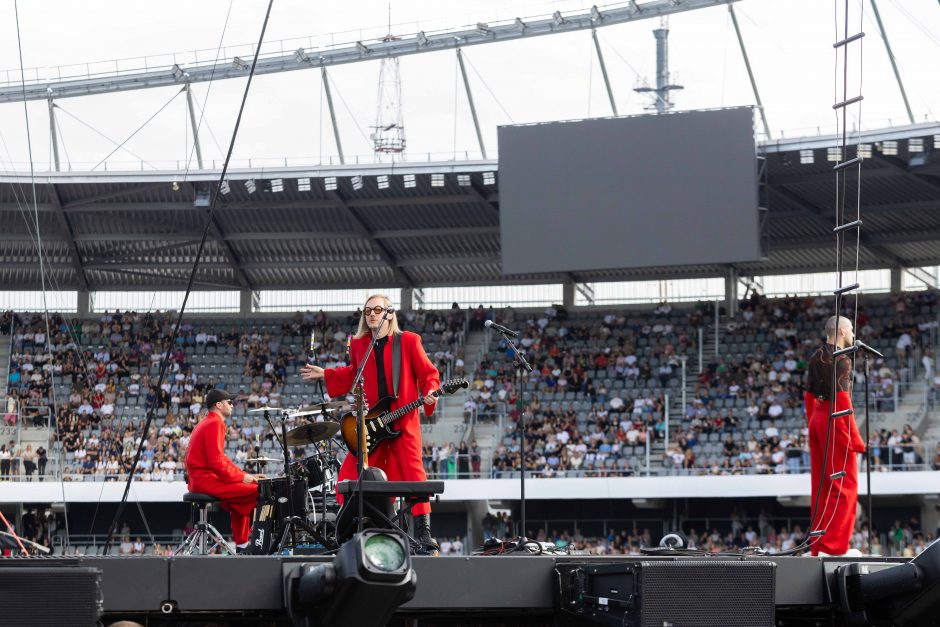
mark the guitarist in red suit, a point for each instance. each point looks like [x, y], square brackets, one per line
[837, 502]
[400, 457]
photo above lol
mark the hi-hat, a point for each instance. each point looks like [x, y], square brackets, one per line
[265, 408]
[313, 432]
[316, 408]
[263, 460]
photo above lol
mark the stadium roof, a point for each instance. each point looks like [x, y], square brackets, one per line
[140, 230]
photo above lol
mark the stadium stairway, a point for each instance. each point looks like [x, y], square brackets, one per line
[6, 348]
[911, 410]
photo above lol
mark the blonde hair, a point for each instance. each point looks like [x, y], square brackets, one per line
[364, 330]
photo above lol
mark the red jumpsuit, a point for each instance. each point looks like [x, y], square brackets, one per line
[400, 457]
[839, 498]
[212, 472]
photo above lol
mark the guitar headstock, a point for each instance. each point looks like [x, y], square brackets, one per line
[449, 387]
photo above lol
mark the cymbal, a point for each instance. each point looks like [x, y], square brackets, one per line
[263, 460]
[313, 432]
[265, 408]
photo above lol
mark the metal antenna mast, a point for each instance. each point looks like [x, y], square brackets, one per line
[388, 134]
[662, 102]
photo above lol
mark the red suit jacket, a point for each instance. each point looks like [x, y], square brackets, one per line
[400, 458]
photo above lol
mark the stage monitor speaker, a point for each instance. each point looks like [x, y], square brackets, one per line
[50, 595]
[695, 593]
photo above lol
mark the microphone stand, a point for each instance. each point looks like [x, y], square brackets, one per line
[871, 517]
[523, 367]
[360, 419]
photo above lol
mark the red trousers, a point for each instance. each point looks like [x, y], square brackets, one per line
[400, 458]
[238, 499]
[839, 498]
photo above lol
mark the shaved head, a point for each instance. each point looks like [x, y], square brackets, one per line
[842, 321]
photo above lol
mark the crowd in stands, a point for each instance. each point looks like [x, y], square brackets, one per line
[596, 397]
[97, 377]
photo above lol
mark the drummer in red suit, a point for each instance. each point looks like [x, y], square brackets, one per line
[839, 498]
[400, 457]
[211, 472]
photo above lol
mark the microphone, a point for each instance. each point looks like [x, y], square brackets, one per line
[389, 310]
[498, 327]
[865, 347]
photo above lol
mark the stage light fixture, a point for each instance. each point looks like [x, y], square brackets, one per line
[203, 197]
[596, 15]
[329, 183]
[864, 151]
[806, 157]
[936, 141]
[463, 180]
[303, 184]
[250, 186]
[178, 72]
[636, 8]
[520, 24]
[834, 153]
[437, 180]
[915, 144]
[356, 182]
[362, 48]
[409, 181]
[301, 56]
[558, 18]
[422, 39]
[240, 64]
[489, 178]
[382, 181]
[175, 186]
[225, 187]
[483, 28]
[277, 185]
[368, 579]
[889, 147]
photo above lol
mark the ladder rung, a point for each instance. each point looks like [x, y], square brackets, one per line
[845, 103]
[849, 40]
[847, 288]
[837, 475]
[845, 351]
[839, 414]
[847, 226]
[846, 164]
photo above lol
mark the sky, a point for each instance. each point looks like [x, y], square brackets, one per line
[555, 77]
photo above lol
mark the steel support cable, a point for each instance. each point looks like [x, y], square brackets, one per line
[171, 341]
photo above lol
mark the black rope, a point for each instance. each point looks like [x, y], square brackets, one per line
[168, 344]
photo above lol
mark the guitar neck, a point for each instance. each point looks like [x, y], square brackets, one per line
[401, 411]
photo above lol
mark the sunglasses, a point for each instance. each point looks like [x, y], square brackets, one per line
[375, 310]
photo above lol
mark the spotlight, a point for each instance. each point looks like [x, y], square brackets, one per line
[329, 183]
[520, 24]
[303, 184]
[834, 153]
[382, 181]
[370, 577]
[596, 15]
[409, 181]
[356, 182]
[915, 144]
[250, 186]
[301, 56]
[489, 178]
[463, 180]
[889, 147]
[437, 180]
[240, 64]
[864, 151]
[483, 28]
[175, 186]
[362, 48]
[806, 157]
[558, 19]
[178, 72]
[225, 187]
[422, 39]
[277, 185]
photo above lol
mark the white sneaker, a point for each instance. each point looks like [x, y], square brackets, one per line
[849, 553]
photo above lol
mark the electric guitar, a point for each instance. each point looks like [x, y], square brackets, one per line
[379, 420]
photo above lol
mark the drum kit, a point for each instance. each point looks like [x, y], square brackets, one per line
[296, 510]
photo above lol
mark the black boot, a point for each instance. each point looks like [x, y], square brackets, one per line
[423, 535]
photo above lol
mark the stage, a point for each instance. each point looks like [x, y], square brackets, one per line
[506, 589]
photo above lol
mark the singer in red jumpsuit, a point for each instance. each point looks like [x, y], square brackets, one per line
[210, 471]
[400, 457]
[835, 512]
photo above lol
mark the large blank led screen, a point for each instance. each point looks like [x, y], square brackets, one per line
[654, 190]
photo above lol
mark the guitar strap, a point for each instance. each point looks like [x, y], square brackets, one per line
[396, 363]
